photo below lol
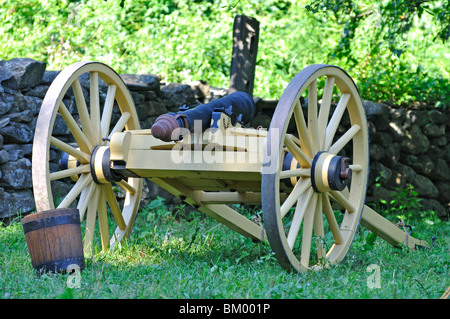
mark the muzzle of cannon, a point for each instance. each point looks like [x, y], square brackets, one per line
[308, 172]
[238, 106]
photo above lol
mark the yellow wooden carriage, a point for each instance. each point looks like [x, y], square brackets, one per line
[312, 198]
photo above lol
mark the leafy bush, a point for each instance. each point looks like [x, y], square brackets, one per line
[394, 47]
[189, 40]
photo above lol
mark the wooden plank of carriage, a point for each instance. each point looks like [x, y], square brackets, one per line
[245, 49]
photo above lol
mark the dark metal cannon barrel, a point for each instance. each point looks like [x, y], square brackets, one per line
[237, 104]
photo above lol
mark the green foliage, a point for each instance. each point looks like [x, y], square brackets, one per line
[405, 199]
[393, 49]
[405, 205]
[392, 46]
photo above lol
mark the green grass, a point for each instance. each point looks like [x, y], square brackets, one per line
[178, 256]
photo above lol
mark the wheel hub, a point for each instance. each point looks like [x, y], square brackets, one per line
[68, 161]
[101, 168]
[330, 172]
[289, 163]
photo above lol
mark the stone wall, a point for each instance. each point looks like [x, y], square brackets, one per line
[408, 146]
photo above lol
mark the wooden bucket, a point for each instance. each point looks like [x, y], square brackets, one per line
[54, 240]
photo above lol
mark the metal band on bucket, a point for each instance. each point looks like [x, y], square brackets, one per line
[50, 222]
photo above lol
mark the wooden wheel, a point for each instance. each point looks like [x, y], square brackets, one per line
[82, 154]
[305, 178]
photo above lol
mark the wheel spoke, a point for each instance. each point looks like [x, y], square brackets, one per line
[130, 189]
[103, 221]
[82, 141]
[335, 120]
[319, 229]
[121, 123]
[299, 172]
[356, 168]
[85, 168]
[344, 139]
[79, 155]
[76, 190]
[95, 106]
[298, 190]
[307, 231]
[302, 129]
[85, 197]
[313, 129]
[82, 110]
[341, 199]
[324, 112]
[301, 157]
[300, 210]
[108, 109]
[90, 221]
[115, 209]
[332, 223]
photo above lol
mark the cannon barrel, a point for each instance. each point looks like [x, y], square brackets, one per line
[238, 104]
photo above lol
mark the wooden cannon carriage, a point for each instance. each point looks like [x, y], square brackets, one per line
[312, 197]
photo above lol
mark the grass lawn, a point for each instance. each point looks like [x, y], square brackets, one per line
[174, 256]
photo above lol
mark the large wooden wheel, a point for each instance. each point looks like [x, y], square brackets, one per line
[83, 156]
[312, 196]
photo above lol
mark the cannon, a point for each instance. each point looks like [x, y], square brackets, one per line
[238, 108]
[309, 176]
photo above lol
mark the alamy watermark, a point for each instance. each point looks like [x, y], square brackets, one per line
[213, 146]
[374, 279]
[74, 279]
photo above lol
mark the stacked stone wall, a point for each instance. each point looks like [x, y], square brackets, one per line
[408, 146]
